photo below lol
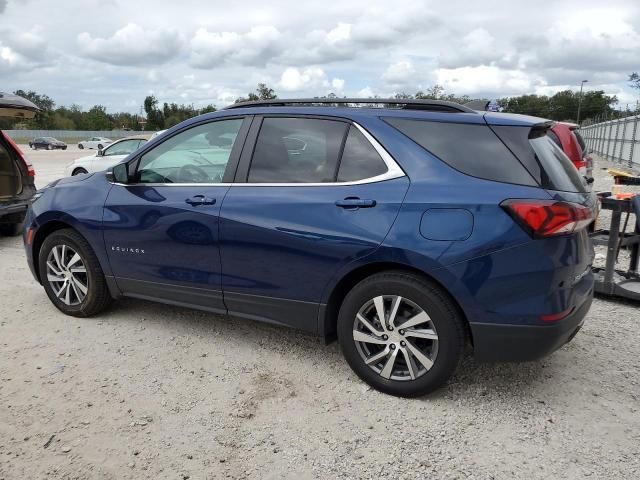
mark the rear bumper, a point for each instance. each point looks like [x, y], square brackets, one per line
[14, 209]
[521, 343]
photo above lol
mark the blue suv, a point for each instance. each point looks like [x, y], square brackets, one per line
[408, 229]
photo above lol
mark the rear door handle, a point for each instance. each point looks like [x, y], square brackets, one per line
[355, 202]
[200, 200]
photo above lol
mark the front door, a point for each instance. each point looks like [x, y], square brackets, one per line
[161, 229]
[315, 195]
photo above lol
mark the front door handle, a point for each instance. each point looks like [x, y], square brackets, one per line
[354, 202]
[200, 200]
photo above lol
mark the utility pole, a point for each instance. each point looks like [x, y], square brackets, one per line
[580, 100]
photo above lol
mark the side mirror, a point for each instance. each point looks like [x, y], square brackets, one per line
[118, 174]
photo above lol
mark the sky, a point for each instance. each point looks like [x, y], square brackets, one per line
[116, 52]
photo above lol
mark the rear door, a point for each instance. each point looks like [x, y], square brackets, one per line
[311, 195]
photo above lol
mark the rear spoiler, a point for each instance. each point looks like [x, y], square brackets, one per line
[540, 129]
[14, 106]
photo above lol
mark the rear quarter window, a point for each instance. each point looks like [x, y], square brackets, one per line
[471, 149]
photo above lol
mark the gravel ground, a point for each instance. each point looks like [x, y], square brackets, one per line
[151, 391]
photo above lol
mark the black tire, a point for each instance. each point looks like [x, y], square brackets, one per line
[97, 298]
[79, 171]
[100, 147]
[80, 146]
[445, 316]
[64, 148]
[11, 229]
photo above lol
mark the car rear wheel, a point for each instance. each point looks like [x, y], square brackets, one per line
[79, 171]
[71, 274]
[401, 333]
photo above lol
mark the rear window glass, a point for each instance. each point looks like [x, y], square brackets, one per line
[544, 160]
[471, 149]
[555, 138]
[583, 145]
[558, 173]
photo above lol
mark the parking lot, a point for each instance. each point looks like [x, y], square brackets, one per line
[149, 390]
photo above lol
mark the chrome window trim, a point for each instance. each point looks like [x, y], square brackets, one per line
[393, 171]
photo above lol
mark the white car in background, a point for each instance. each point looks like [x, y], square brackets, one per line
[107, 157]
[95, 142]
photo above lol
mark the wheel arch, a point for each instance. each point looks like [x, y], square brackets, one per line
[43, 232]
[328, 317]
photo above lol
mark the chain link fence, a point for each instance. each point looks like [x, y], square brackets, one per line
[616, 140]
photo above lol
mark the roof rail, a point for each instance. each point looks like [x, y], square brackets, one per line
[412, 104]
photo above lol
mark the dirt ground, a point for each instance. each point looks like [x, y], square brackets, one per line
[151, 391]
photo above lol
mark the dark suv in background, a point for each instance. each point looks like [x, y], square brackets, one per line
[17, 185]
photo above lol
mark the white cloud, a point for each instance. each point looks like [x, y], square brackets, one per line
[295, 80]
[490, 79]
[132, 45]
[400, 73]
[338, 85]
[23, 50]
[496, 48]
[213, 49]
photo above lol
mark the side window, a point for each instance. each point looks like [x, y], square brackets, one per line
[471, 149]
[197, 155]
[122, 148]
[297, 150]
[360, 159]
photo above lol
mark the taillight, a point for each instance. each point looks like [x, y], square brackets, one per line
[30, 171]
[547, 218]
[580, 164]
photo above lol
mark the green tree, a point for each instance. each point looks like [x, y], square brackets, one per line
[97, 118]
[263, 92]
[44, 118]
[155, 117]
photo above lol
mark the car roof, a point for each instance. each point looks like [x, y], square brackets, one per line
[434, 110]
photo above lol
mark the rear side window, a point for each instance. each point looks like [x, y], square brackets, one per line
[296, 150]
[471, 149]
[360, 159]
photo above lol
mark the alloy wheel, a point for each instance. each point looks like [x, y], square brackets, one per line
[67, 275]
[395, 337]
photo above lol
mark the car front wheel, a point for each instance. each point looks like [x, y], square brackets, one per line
[80, 146]
[401, 333]
[71, 274]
